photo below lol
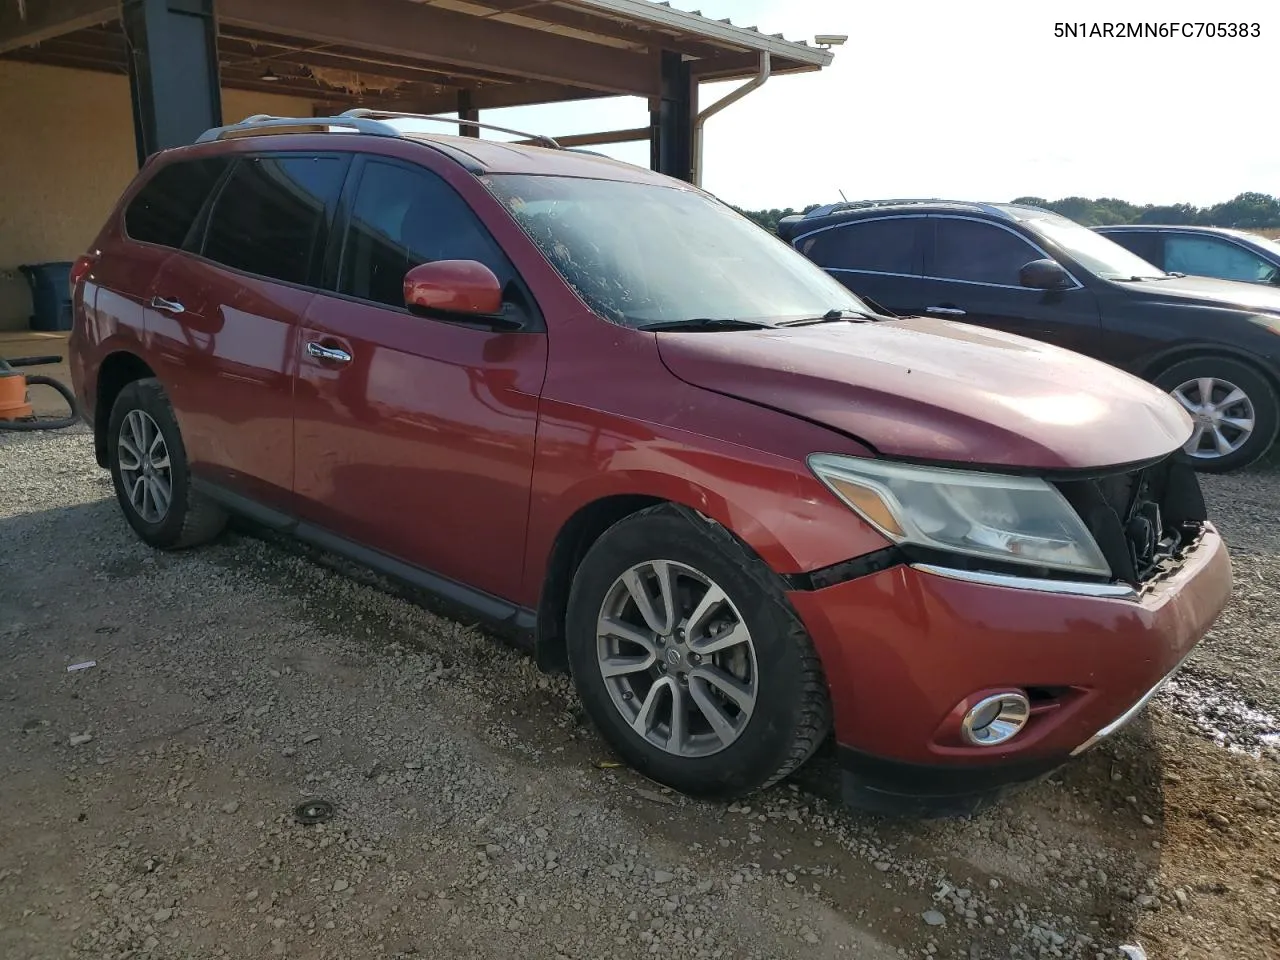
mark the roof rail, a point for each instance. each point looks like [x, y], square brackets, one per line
[360, 120]
[832, 208]
[362, 113]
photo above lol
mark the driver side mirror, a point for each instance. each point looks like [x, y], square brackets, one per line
[1044, 274]
[459, 288]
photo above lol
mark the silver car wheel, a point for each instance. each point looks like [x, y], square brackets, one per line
[677, 658]
[143, 459]
[1223, 414]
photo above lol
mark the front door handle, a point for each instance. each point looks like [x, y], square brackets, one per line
[168, 306]
[948, 311]
[332, 354]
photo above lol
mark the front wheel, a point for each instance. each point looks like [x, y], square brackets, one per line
[1234, 407]
[689, 659]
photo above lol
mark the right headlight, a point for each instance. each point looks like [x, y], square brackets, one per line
[1008, 518]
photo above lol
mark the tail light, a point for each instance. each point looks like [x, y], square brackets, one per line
[80, 269]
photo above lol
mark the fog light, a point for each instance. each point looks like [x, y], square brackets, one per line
[995, 720]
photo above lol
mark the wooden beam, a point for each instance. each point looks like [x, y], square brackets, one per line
[356, 59]
[510, 95]
[240, 54]
[619, 31]
[433, 35]
[47, 19]
[595, 139]
[69, 61]
[742, 66]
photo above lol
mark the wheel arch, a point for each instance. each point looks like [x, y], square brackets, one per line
[1157, 364]
[814, 531]
[116, 371]
[570, 546]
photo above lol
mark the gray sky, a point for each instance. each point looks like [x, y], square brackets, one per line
[979, 100]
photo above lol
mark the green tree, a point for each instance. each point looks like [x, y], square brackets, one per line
[1247, 211]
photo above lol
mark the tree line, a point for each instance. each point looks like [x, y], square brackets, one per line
[1247, 211]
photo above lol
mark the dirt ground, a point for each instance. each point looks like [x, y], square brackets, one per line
[149, 801]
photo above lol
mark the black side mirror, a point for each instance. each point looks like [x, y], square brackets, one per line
[1044, 275]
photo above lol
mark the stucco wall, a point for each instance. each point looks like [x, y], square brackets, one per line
[66, 154]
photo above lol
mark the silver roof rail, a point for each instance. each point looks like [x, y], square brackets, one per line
[359, 120]
[263, 123]
[364, 113]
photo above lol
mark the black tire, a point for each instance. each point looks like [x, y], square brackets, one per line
[1260, 392]
[792, 712]
[191, 518]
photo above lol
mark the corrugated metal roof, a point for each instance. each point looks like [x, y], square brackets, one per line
[664, 15]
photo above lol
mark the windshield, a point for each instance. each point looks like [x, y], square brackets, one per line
[1266, 243]
[642, 254]
[1099, 255]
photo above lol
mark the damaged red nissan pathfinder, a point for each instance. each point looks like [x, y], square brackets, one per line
[600, 410]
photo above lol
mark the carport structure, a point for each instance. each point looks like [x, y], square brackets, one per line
[420, 56]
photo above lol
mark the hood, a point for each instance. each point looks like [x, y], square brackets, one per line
[926, 389]
[1253, 297]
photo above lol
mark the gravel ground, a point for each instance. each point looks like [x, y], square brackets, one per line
[150, 799]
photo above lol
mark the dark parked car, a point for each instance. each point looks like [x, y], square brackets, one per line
[598, 409]
[1213, 344]
[1202, 251]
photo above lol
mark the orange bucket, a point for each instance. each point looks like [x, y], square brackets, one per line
[13, 397]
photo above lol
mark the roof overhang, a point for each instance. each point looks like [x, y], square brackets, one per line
[423, 55]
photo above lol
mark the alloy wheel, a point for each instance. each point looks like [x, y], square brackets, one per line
[677, 658]
[145, 471]
[1223, 414]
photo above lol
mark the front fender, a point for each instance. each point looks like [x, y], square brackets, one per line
[768, 500]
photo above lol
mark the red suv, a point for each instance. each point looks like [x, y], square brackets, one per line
[600, 410]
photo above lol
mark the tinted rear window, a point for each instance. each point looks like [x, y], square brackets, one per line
[169, 202]
[1146, 245]
[267, 218]
[980, 253]
[877, 246]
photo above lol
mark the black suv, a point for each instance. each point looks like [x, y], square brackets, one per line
[1202, 251]
[1213, 344]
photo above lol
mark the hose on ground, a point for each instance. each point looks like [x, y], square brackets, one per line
[47, 424]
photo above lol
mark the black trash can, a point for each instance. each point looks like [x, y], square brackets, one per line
[50, 294]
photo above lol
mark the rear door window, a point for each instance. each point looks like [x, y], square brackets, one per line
[164, 209]
[869, 246]
[1145, 243]
[403, 216]
[268, 218]
[978, 252]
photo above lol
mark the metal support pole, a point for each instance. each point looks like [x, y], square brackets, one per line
[173, 71]
[466, 111]
[672, 117]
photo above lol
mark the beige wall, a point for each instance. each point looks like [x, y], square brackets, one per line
[66, 154]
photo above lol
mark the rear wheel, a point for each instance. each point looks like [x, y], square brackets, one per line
[689, 659]
[1234, 407]
[149, 471]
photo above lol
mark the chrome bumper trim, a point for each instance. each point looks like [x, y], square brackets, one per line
[1128, 715]
[1076, 588]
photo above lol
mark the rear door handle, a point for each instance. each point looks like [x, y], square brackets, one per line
[332, 354]
[168, 306]
[948, 311]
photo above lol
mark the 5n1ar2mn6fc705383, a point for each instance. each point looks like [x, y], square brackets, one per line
[1231, 29]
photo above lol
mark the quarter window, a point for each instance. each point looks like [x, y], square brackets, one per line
[979, 253]
[267, 218]
[168, 204]
[403, 217]
[874, 246]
